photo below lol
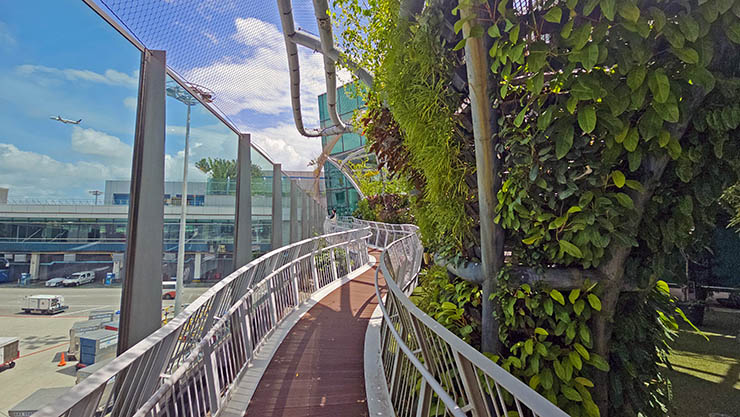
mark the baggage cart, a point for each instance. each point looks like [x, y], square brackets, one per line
[8, 352]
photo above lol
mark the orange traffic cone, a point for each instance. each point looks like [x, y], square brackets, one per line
[62, 362]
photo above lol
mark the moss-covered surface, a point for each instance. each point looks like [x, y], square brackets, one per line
[706, 374]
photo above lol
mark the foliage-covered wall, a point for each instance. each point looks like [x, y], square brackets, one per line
[617, 131]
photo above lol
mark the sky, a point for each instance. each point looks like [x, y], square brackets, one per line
[60, 58]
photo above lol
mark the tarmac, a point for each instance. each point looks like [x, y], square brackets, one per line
[42, 338]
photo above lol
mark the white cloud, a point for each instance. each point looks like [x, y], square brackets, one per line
[259, 80]
[286, 146]
[109, 77]
[93, 142]
[31, 174]
[130, 102]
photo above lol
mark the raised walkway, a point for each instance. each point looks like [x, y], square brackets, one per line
[318, 368]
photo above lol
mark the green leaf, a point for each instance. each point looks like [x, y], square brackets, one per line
[579, 37]
[618, 178]
[540, 330]
[460, 45]
[571, 104]
[564, 142]
[689, 27]
[624, 200]
[493, 31]
[599, 363]
[674, 148]
[581, 350]
[629, 11]
[733, 32]
[567, 30]
[534, 381]
[573, 296]
[530, 240]
[529, 346]
[660, 86]
[634, 159]
[631, 140]
[687, 55]
[663, 138]
[608, 8]
[570, 393]
[557, 296]
[636, 77]
[559, 370]
[520, 117]
[547, 304]
[570, 249]
[587, 119]
[674, 36]
[584, 381]
[554, 15]
[514, 34]
[635, 185]
[575, 360]
[590, 57]
[579, 306]
[584, 333]
[594, 301]
[659, 18]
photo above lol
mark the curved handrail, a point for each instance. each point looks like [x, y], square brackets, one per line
[454, 376]
[189, 366]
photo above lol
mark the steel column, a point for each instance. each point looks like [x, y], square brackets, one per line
[294, 231]
[277, 207]
[141, 298]
[243, 222]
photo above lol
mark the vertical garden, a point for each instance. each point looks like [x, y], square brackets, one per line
[615, 131]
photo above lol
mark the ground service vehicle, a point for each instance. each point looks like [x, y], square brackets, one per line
[8, 352]
[43, 304]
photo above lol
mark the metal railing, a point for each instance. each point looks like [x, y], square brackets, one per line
[428, 370]
[189, 366]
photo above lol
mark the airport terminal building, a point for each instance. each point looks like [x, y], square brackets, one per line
[55, 238]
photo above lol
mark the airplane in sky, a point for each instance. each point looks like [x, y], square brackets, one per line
[65, 121]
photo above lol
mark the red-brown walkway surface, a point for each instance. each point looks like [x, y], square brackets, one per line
[318, 368]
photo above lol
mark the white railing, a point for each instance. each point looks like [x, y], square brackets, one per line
[428, 370]
[189, 366]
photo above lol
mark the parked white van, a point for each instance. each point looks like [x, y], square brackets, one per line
[79, 278]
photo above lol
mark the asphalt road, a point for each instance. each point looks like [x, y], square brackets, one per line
[42, 338]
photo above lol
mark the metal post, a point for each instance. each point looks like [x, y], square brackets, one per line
[183, 220]
[141, 298]
[487, 168]
[277, 207]
[294, 231]
[304, 217]
[243, 227]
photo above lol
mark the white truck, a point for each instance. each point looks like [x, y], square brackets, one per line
[43, 304]
[79, 278]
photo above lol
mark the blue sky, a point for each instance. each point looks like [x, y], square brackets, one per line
[60, 58]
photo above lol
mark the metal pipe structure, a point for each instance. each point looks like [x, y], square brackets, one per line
[324, 44]
[321, 9]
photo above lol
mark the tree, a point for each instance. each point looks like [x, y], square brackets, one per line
[218, 168]
[617, 131]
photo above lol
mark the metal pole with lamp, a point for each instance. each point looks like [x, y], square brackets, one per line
[180, 94]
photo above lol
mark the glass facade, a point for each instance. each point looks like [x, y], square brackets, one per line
[340, 195]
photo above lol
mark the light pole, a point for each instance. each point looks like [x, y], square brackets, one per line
[96, 193]
[180, 94]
